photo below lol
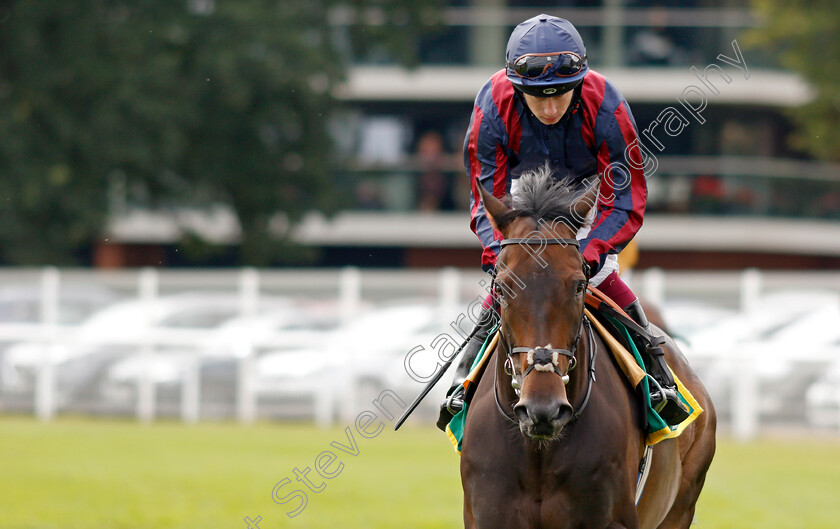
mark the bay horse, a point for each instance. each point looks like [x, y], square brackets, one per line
[547, 451]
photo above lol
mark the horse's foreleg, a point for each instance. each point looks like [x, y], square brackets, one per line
[697, 448]
[695, 464]
[682, 512]
[469, 520]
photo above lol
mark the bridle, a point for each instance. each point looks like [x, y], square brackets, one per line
[546, 358]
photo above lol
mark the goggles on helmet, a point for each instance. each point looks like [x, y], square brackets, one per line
[561, 64]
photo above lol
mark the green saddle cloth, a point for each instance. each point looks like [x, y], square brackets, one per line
[657, 428]
[455, 428]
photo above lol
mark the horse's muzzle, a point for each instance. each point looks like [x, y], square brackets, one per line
[543, 420]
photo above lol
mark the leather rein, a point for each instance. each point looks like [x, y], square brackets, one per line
[546, 358]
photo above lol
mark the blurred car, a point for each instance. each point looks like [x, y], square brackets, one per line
[822, 398]
[774, 346]
[718, 331]
[302, 358]
[215, 358]
[355, 362]
[115, 332]
[685, 317]
[21, 303]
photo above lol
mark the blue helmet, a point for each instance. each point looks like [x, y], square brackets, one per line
[545, 56]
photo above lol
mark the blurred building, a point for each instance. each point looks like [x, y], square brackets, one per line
[728, 191]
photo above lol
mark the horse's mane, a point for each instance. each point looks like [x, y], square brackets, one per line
[542, 197]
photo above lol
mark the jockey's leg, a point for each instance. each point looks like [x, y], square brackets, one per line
[666, 402]
[455, 394]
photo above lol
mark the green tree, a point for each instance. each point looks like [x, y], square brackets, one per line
[805, 36]
[183, 103]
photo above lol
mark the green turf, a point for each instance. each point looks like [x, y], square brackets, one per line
[791, 483]
[76, 473]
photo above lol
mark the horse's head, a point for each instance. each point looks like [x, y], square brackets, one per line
[541, 284]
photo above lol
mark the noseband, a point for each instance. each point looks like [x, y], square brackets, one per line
[546, 358]
[541, 359]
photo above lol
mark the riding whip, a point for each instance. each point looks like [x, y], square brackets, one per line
[434, 380]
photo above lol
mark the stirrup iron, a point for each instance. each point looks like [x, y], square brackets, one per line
[455, 401]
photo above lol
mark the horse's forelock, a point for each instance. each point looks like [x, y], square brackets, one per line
[544, 198]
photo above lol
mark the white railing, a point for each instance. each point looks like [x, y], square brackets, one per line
[346, 286]
[352, 290]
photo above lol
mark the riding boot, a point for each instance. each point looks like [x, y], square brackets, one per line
[455, 394]
[663, 395]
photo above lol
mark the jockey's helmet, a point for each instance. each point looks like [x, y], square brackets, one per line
[545, 56]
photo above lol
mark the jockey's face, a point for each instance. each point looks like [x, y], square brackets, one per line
[549, 110]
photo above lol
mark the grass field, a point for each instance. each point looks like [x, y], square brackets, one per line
[77, 473]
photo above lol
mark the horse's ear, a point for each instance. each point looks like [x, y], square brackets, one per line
[494, 207]
[586, 200]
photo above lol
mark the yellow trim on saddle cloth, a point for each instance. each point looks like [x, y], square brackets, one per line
[452, 439]
[675, 431]
[635, 374]
[626, 360]
[476, 371]
[460, 418]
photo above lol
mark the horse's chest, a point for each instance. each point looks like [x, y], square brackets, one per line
[541, 488]
[569, 503]
[567, 476]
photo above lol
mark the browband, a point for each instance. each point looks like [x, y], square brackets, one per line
[564, 242]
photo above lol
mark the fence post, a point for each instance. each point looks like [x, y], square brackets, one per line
[191, 392]
[750, 291]
[450, 291]
[653, 287]
[350, 292]
[837, 401]
[249, 293]
[45, 382]
[744, 394]
[148, 290]
[744, 387]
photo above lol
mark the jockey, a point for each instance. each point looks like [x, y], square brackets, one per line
[548, 106]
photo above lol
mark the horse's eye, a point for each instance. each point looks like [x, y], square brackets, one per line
[581, 286]
[498, 292]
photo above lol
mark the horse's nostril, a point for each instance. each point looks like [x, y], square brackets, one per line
[536, 413]
[521, 412]
[564, 415]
